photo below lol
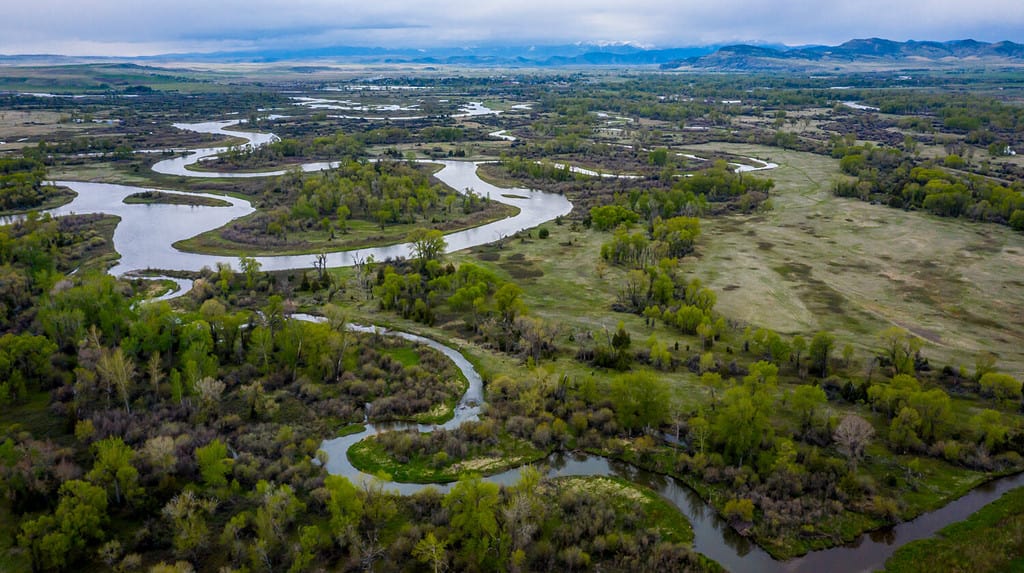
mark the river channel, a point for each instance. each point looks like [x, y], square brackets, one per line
[144, 239]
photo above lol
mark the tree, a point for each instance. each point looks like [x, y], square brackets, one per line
[739, 509]
[852, 435]
[508, 302]
[113, 468]
[700, 431]
[903, 430]
[278, 509]
[432, 552]
[473, 505]
[989, 428]
[641, 400]
[935, 411]
[53, 541]
[1001, 386]
[426, 244]
[820, 351]
[900, 348]
[213, 463]
[714, 383]
[188, 514]
[742, 424]
[117, 371]
[251, 268]
[799, 345]
[806, 400]
[762, 374]
[209, 390]
[160, 454]
[345, 508]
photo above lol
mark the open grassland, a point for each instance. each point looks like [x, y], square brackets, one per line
[818, 262]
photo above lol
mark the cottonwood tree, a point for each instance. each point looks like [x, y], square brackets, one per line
[213, 463]
[187, 514]
[742, 423]
[852, 435]
[432, 552]
[1001, 386]
[641, 400]
[113, 469]
[900, 348]
[117, 371]
[426, 244]
[161, 455]
[55, 541]
[806, 400]
[820, 351]
[473, 505]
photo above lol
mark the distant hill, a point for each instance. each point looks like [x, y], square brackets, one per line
[861, 51]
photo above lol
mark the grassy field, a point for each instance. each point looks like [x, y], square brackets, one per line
[818, 262]
[990, 540]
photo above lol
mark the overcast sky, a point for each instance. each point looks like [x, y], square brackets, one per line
[146, 27]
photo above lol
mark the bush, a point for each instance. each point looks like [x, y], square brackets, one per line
[739, 509]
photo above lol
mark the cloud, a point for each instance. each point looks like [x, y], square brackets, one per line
[130, 27]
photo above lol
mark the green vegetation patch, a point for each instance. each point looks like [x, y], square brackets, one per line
[628, 497]
[161, 198]
[989, 540]
[371, 456]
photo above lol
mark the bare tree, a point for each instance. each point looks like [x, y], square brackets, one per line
[852, 435]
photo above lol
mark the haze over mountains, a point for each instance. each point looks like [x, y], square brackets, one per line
[742, 57]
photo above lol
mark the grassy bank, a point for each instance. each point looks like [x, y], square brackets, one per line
[990, 540]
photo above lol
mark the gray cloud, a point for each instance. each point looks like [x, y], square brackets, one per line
[131, 27]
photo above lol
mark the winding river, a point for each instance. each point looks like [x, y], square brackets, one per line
[146, 233]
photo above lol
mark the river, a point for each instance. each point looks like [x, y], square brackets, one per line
[146, 233]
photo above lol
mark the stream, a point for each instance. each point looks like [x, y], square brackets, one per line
[144, 239]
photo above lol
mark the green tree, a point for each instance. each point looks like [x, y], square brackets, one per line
[799, 346]
[432, 552]
[806, 401]
[214, 463]
[251, 268]
[935, 411]
[1001, 386]
[903, 430]
[820, 351]
[427, 244]
[188, 515]
[54, 541]
[641, 400]
[117, 371]
[900, 348]
[345, 507]
[507, 299]
[989, 428]
[113, 469]
[473, 505]
[742, 423]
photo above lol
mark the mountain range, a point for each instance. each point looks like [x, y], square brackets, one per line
[743, 57]
[861, 51]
